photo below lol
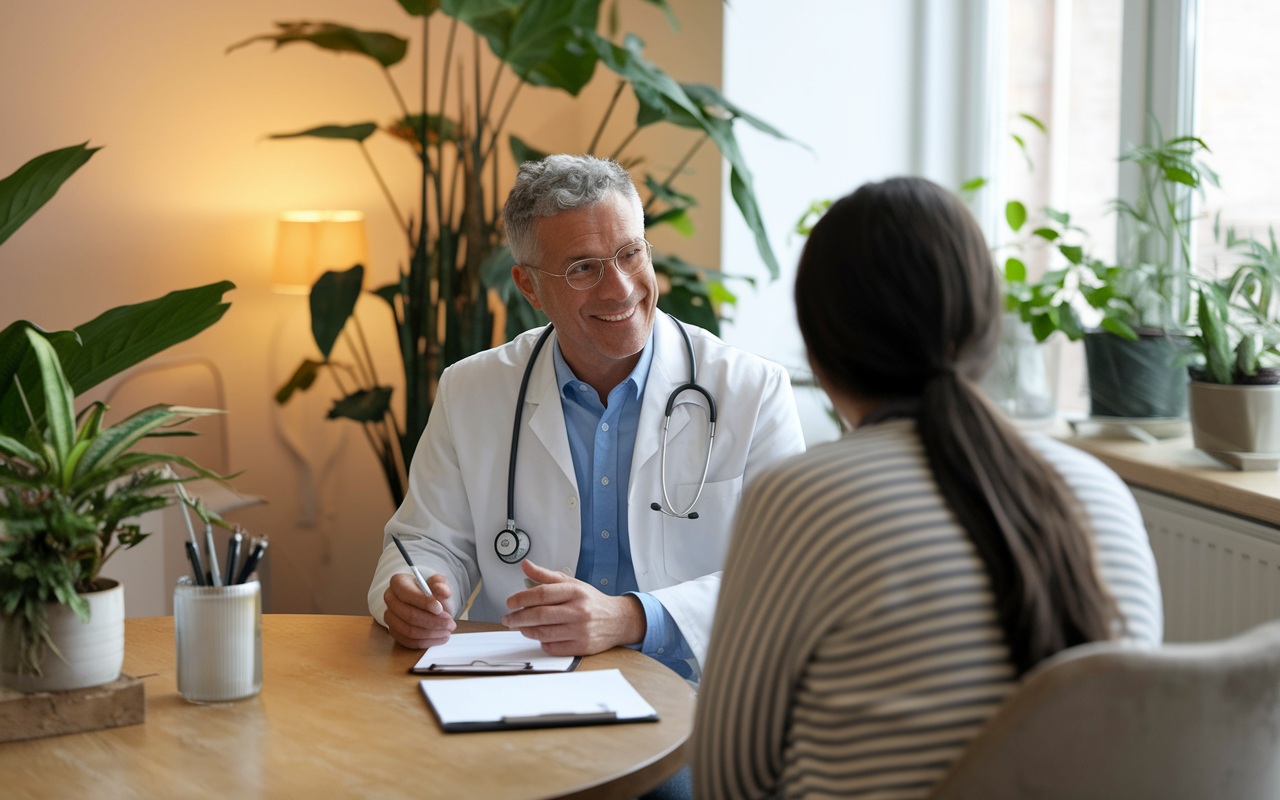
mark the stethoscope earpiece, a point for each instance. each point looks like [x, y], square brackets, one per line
[511, 543]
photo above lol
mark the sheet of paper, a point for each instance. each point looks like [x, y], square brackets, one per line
[500, 651]
[491, 699]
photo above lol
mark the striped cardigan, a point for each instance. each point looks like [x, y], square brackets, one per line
[856, 647]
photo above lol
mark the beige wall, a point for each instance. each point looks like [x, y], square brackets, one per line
[186, 192]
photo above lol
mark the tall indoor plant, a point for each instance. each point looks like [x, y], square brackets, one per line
[68, 485]
[458, 283]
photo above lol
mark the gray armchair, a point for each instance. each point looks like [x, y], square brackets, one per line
[1107, 721]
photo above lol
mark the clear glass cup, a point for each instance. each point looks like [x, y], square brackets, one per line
[219, 636]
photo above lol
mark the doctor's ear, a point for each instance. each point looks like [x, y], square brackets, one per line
[526, 283]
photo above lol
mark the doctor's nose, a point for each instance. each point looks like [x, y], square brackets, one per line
[613, 283]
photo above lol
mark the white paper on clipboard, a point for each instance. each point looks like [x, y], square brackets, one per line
[496, 652]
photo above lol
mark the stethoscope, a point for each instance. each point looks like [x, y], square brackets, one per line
[512, 544]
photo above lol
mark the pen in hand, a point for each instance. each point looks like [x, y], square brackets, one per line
[422, 583]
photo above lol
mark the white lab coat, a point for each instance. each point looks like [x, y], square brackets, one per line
[457, 495]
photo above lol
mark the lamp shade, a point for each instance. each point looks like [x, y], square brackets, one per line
[310, 243]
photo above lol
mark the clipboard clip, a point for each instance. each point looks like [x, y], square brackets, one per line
[555, 719]
[504, 665]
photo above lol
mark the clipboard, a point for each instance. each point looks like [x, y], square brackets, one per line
[491, 653]
[515, 702]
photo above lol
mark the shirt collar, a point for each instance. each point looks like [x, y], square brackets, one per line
[569, 382]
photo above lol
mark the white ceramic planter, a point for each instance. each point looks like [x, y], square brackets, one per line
[94, 650]
[1238, 425]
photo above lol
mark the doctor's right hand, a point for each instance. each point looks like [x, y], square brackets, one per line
[415, 620]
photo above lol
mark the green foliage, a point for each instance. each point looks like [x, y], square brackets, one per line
[67, 484]
[356, 133]
[105, 346]
[457, 288]
[66, 490]
[35, 183]
[1156, 242]
[1239, 316]
[384, 48]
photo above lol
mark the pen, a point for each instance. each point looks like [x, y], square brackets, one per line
[233, 555]
[422, 583]
[194, 556]
[191, 532]
[251, 563]
[214, 572]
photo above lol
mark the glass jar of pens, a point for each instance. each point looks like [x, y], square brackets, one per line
[217, 615]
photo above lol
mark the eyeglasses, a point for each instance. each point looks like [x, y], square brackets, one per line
[630, 260]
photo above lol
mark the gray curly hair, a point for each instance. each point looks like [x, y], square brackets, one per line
[558, 183]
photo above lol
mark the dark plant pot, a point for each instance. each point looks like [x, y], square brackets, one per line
[1141, 379]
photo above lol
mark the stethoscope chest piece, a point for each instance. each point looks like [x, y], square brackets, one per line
[511, 545]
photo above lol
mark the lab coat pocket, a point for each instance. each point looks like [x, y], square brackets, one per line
[692, 548]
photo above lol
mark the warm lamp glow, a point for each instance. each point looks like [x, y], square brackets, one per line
[310, 243]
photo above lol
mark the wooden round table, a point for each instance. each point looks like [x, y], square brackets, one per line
[340, 716]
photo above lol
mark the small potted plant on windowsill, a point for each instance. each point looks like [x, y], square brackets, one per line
[1235, 394]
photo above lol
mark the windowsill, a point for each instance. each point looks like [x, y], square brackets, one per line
[1175, 467]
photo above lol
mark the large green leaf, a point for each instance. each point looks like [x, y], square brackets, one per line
[356, 133]
[690, 307]
[58, 400]
[384, 48]
[714, 104]
[333, 299]
[35, 182]
[365, 405]
[537, 38]
[661, 98]
[301, 381]
[104, 346]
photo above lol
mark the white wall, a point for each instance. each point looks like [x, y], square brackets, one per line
[876, 89]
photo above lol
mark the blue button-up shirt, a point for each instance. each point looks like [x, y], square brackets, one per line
[603, 441]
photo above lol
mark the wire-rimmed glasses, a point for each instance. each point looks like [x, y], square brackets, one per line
[586, 273]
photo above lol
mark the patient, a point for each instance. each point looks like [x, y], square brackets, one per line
[884, 593]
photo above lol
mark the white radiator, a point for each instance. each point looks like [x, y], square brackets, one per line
[1219, 574]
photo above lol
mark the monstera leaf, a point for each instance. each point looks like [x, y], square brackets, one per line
[356, 133]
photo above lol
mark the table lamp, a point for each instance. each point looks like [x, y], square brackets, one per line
[309, 243]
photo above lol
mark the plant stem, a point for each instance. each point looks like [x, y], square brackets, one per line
[502, 120]
[614, 155]
[404, 109]
[368, 357]
[675, 173]
[595, 140]
[386, 192]
[365, 377]
[493, 89]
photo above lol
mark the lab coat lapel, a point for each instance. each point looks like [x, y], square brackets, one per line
[669, 369]
[547, 420]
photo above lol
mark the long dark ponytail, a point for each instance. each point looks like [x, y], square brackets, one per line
[898, 300]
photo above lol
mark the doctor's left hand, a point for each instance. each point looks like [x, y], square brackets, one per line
[572, 618]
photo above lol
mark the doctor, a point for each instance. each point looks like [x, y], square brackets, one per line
[609, 568]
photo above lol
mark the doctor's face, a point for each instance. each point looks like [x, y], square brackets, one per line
[601, 330]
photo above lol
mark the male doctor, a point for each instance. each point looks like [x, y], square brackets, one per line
[605, 567]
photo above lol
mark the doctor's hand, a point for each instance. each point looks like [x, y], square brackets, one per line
[415, 620]
[572, 618]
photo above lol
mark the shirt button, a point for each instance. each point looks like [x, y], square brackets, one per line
[604, 427]
[604, 581]
[605, 480]
[604, 534]
[582, 387]
[572, 502]
[661, 650]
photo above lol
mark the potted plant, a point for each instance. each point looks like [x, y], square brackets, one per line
[1235, 394]
[69, 486]
[67, 492]
[457, 291]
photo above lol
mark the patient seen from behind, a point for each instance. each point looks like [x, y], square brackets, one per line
[884, 593]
